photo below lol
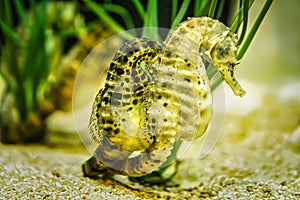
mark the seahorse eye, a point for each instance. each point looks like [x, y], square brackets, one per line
[225, 51]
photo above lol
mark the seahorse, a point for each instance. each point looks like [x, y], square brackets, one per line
[156, 93]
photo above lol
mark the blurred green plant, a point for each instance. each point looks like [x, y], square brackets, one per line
[24, 81]
[149, 16]
[24, 60]
[32, 43]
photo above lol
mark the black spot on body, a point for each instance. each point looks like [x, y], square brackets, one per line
[134, 64]
[112, 66]
[137, 87]
[125, 59]
[110, 121]
[134, 101]
[186, 79]
[122, 59]
[140, 93]
[168, 54]
[108, 75]
[108, 129]
[140, 57]
[165, 104]
[120, 71]
[106, 100]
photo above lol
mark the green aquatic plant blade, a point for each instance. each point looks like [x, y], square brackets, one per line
[201, 7]
[245, 4]
[21, 11]
[139, 8]
[11, 35]
[151, 20]
[239, 17]
[197, 7]
[212, 8]
[12, 43]
[180, 15]
[152, 13]
[35, 67]
[253, 30]
[120, 10]
[174, 9]
[6, 15]
[220, 9]
[106, 18]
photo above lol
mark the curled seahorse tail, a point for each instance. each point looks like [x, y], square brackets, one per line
[91, 168]
[108, 157]
[159, 131]
[151, 160]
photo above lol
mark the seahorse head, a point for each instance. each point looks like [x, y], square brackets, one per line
[224, 51]
[220, 48]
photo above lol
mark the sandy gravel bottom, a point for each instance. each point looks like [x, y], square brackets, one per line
[252, 160]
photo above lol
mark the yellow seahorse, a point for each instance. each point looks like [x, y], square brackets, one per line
[156, 93]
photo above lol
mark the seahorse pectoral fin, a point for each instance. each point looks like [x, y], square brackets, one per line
[228, 75]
